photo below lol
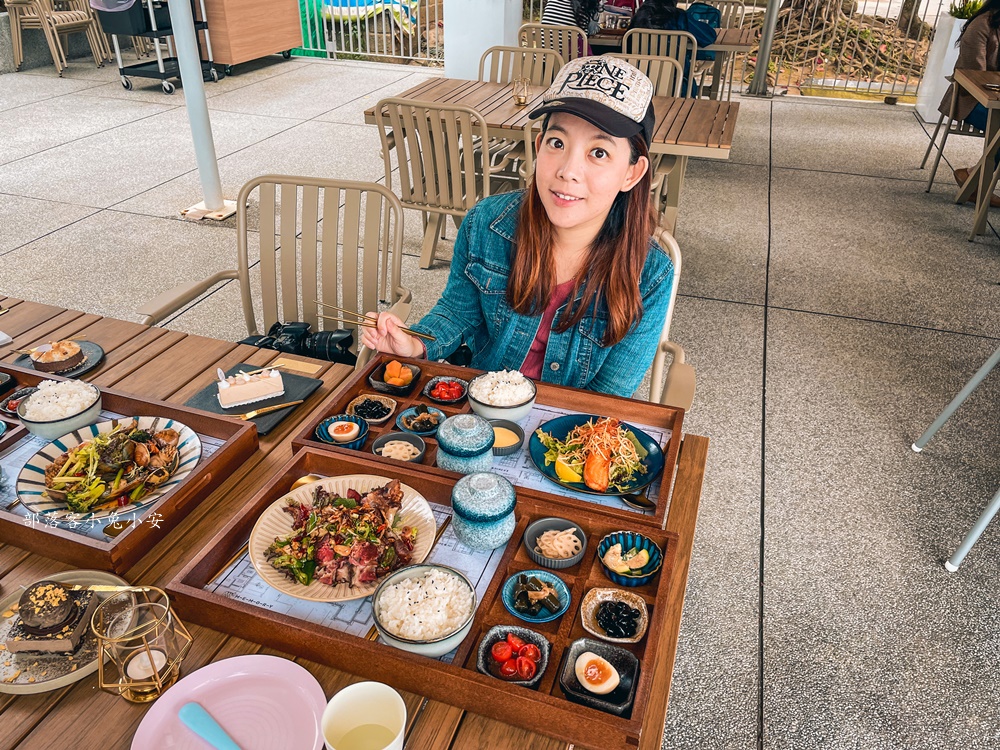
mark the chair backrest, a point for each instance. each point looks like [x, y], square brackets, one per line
[656, 385]
[666, 73]
[437, 154]
[354, 260]
[504, 64]
[733, 12]
[679, 45]
[568, 41]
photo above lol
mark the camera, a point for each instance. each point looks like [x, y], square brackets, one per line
[296, 338]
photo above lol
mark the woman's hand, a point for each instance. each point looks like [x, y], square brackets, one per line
[386, 336]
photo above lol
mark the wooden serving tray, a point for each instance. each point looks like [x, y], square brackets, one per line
[545, 710]
[14, 432]
[573, 399]
[122, 552]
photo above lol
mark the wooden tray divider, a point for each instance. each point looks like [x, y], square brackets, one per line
[640, 412]
[543, 710]
[122, 552]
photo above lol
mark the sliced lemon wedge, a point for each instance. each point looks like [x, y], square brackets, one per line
[566, 472]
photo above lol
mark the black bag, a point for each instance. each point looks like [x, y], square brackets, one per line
[295, 338]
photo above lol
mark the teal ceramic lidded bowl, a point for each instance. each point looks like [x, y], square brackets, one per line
[483, 506]
[465, 444]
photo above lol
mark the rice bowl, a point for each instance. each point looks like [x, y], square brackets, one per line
[506, 394]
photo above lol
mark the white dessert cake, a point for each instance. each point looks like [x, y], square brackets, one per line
[246, 388]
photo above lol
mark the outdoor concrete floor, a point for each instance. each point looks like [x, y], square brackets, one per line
[830, 307]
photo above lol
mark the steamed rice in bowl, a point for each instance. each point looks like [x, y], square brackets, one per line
[56, 400]
[426, 609]
[503, 388]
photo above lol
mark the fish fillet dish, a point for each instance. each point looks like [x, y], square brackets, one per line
[602, 454]
[335, 540]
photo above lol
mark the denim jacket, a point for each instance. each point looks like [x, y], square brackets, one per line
[473, 310]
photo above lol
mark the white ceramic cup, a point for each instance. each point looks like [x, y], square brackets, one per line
[360, 704]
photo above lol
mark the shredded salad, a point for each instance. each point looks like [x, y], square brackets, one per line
[602, 454]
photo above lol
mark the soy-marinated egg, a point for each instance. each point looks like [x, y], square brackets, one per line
[344, 432]
[595, 674]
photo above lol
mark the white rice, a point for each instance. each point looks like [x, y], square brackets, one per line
[55, 400]
[424, 607]
[504, 388]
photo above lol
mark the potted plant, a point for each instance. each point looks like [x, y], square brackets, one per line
[942, 56]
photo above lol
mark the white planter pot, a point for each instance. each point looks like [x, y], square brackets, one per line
[940, 63]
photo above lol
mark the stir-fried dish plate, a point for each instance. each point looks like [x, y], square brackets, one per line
[335, 539]
[119, 466]
[594, 454]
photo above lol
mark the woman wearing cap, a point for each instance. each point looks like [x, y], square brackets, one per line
[563, 280]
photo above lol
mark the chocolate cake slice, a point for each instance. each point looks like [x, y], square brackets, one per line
[52, 619]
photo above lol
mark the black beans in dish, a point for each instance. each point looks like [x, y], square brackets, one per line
[371, 409]
[618, 619]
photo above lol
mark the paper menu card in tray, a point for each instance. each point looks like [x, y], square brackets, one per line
[226, 446]
[664, 423]
[215, 592]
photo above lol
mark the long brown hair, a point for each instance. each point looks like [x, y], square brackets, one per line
[613, 264]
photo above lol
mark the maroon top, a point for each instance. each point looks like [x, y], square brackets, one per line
[532, 367]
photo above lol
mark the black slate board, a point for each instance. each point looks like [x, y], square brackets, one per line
[296, 387]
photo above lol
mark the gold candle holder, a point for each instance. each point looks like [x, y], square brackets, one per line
[141, 644]
[519, 90]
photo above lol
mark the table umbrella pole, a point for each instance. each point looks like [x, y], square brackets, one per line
[189, 63]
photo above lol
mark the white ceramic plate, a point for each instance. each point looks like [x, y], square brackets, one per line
[261, 701]
[274, 522]
[51, 671]
[31, 480]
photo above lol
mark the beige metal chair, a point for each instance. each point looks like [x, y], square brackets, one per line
[41, 15]
[503, 64]
[677, 388]
[733, 14]
[569, 41]
[440, 158]
[667, 76]
[680, 45]
[954, 127]
[300, 260]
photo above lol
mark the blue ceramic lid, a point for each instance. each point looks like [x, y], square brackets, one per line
[483, 497]
[465, 435]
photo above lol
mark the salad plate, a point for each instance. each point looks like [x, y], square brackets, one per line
[31, 488]
[648, 453]
[276, 523]
[260, 701]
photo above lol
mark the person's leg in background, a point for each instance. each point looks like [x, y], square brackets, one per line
[977, 119]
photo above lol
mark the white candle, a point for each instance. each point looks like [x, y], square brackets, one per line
[139, 668]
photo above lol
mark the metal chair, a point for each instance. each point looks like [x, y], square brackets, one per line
[41, 15]
[954, 126]
[991, 510]
[677, 388]
[569, 41]
[441, 160]
[680, 45]
[353, 260]
[667, 77]
[733, 13]
[503, 64]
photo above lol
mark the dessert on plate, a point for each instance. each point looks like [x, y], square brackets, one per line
[247, 387]
[52, 619]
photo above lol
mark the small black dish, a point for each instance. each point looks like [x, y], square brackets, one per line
[619, 700]
[6, 381]
[426, 392]
[377, 381]
[487, 665]
[19, 395]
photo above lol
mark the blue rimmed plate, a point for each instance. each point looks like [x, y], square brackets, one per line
[31, 480]
[544, 615]
[560, 427]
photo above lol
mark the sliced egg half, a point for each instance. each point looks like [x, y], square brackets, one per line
[596, 674]
[344, 432]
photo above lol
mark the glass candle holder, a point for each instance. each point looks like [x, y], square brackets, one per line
[141, 643]
[519, 90]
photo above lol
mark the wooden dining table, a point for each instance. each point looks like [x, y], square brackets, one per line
[684, 127]
[172, 366]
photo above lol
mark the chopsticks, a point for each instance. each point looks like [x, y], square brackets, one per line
[366, 322]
